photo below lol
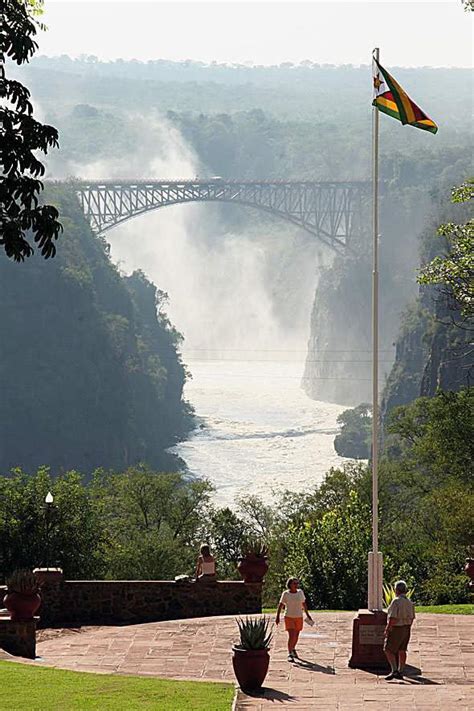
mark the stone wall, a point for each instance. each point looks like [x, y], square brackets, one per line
[18, 638]
[114, 602]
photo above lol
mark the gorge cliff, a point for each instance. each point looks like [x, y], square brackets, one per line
[90, 369]
[338, 366]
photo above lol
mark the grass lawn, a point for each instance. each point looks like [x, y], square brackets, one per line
[447, 609]
[29, 688]
[438, 609]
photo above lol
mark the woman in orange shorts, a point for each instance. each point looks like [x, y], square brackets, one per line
[294, 602]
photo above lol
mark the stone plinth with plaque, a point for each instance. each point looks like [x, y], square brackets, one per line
[367, 640]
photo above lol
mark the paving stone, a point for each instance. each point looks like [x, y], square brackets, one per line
[441, 647]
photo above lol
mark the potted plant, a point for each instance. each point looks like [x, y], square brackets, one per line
[251, 658]
[22, 599]
[253, 562]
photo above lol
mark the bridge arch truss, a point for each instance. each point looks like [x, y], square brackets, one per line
[330, 211]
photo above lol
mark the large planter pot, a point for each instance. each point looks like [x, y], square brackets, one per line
[252, 569]
[21, 606]
[469, 570]
[250, 667]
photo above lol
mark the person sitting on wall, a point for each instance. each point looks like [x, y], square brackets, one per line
[400, 616]
[206, 564]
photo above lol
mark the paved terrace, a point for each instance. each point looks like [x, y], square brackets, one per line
[440, 676]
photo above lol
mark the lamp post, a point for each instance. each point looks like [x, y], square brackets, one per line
[49, 500]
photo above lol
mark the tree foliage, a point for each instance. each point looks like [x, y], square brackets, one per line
[426, 513]
[329, 555]
[21, 137]
[137, 524]
[437, 434]
[455, 270]
[427, 494]
[355, 436]
[74, 536]
[153, 521]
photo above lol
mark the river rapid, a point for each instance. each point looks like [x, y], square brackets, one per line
[258, 432]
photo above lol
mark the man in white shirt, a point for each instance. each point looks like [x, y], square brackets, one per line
[400, 616]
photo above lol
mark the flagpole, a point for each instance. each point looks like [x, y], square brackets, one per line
[375, 579]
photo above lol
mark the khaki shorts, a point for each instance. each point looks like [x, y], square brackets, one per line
[397, 639]
[294, 623]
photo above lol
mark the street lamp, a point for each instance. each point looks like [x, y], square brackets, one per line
[49, 499]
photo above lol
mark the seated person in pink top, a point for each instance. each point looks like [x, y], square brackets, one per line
[206, 564]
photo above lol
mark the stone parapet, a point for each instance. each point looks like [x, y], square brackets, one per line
[115, 602]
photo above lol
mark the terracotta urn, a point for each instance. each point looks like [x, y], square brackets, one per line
[21, 606]
[469, 570]
[253, 568]
[250, 667]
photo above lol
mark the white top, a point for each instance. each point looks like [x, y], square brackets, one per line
[293, 603]
[208, 567]
[402, 609]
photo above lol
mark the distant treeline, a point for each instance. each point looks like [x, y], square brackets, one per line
[304, 91]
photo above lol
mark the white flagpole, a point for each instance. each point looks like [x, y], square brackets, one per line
[375, 580]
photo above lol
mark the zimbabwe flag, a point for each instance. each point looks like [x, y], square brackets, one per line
[390, 98]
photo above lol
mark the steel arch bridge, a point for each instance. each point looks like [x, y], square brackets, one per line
[330, 211]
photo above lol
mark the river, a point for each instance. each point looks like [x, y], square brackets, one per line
[231, 299]
[258, 433]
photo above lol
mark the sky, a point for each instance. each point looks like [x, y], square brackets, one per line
[424, 33]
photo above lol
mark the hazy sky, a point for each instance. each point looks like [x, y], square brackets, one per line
[408, 33]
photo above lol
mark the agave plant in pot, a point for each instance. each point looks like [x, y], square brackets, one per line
[22, 599]
[251, 657]
[253, 562]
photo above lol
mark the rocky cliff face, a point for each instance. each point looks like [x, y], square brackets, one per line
[338, 362]
[411, 351]
[432, 352]
[338, 366]
[428, 351]
[434, 346]
[450, 363]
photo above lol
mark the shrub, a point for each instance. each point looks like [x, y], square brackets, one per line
[329, 556]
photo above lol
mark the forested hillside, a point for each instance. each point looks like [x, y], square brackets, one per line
[90, 375]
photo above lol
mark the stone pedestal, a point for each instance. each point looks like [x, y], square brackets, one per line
[367, 640]
[18, 638]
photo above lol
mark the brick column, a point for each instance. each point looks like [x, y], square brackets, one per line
[51, 582]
